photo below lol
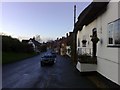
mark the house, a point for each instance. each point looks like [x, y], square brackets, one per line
[63, 45]
[97, 35]
[34, 43]
[69, 44]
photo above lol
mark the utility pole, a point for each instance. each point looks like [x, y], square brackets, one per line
[73, 46]
[74, 15]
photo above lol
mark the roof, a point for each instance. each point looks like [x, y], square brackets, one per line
[89, 14]
[35, 42]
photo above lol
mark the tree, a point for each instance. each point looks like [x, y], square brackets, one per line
[37, 38]
[10, 44]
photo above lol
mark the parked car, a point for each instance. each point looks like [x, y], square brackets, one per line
[48, 59]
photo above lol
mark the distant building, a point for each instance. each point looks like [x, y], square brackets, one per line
[63, 45]
[35, 44]
[69, 43]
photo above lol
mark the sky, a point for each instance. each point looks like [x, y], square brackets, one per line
[50, 20]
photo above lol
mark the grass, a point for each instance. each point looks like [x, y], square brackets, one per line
[9, 57]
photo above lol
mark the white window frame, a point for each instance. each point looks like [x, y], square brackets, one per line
[113, 34]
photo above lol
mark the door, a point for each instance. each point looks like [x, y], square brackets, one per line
[94, 34]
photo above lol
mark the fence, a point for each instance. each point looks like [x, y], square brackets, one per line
[84, 50]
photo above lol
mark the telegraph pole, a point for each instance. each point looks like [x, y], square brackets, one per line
[73, 46]
[74, 15]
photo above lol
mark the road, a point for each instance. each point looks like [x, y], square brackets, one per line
[29, 74]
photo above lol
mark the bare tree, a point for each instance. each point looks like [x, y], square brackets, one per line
[38, 38]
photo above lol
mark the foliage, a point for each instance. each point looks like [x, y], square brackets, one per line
[43, 48]
[86, 58]
[38, 38]
[84, 55]
[10, 44]
[95, 39]
[13, 50]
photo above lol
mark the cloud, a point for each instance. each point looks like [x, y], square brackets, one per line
[45, 39]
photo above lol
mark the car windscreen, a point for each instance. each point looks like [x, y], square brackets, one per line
[47, 56]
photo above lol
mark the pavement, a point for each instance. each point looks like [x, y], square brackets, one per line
[101, 81]
[28, 73]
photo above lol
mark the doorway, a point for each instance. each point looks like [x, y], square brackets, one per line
[94, 34]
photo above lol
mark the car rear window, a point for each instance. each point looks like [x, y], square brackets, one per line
[48, 56]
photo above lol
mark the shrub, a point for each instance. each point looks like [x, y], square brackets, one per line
[86, 58]
[10, 44]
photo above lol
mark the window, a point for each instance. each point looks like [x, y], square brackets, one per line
[78, 42]
[84, 41]
[114, 33]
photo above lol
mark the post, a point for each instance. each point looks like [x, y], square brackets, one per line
[74, 15]
[74, 48]
[74, 40]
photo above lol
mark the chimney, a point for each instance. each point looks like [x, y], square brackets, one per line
[66, 34]
[57, 38]
[70, 33]
[63, 37]
[33, 38]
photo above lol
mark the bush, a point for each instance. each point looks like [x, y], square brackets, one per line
[26, 48]
[43, 48]
[86, 58]
[10, 44]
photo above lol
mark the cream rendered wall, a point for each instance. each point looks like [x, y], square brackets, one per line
[119, 66]
[119, 48]
[107, 56]
[110, 15]
[86, 31]
[107, 61]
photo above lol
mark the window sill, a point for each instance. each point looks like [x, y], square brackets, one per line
[114, 46]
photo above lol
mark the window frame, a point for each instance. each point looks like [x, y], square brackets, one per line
[113, 34]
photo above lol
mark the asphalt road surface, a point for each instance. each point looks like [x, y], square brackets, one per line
[29, 74]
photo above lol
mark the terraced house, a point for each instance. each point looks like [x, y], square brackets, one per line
[98, 37]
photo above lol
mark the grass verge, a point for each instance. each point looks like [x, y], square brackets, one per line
[9, 57]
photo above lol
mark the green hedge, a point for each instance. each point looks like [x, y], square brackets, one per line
[87, 59]
[10, 44]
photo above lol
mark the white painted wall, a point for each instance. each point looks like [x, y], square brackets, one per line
[107, 56]
[107, 61]
[82, 67]
[119, 73]
[119, 65]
